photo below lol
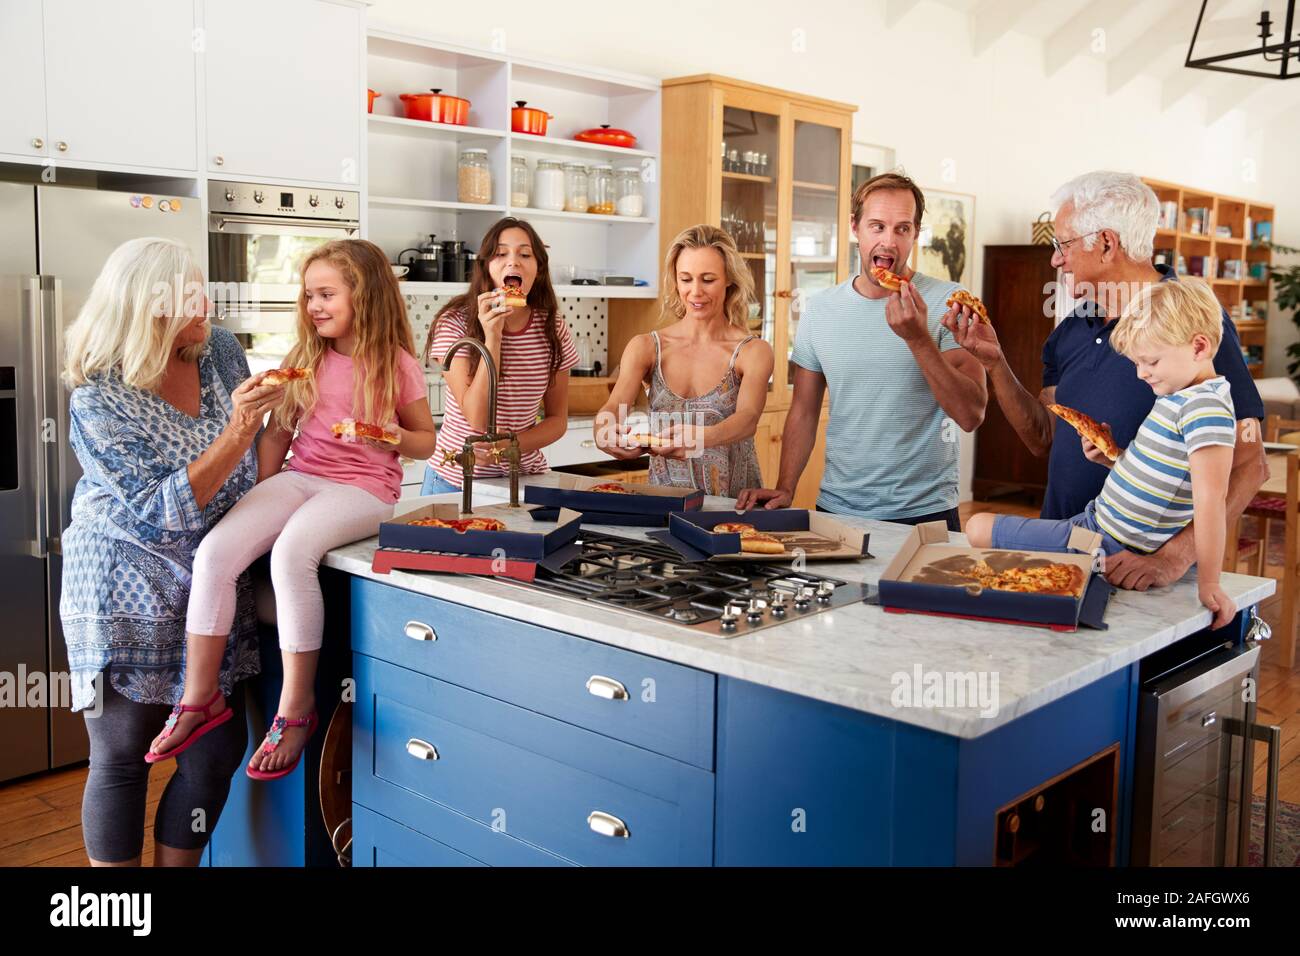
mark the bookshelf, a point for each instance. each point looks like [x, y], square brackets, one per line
[1189, 239]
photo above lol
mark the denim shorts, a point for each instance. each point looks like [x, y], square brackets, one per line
[435, 484]
[1048, 534]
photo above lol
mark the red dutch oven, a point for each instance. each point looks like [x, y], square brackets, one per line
[434, 107]
[524, 119]
[607, 137]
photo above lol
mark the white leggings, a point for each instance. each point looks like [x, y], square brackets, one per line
[297, 518]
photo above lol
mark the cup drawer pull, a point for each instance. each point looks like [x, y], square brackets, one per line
[606, 824]
[419, 631]
[1209, 718]
[421, 749]
[606, 687]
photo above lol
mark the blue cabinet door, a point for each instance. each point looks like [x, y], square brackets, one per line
[378, 841]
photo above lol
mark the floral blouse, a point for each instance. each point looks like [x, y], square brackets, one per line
[129, 549]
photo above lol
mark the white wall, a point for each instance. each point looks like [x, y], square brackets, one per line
[995, 126]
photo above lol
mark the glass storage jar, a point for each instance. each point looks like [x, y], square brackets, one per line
[474, 177]
[629, 197]
[575, 187]
[519, 181]
[548, 186]
[600, 189]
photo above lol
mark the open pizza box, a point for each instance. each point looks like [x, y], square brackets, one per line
[925, 576]
[523, 538]
[647, 505]
[812, 535]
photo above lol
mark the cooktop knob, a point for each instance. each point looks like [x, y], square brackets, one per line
[730, 615]
[779, 604]
[824, 592]
[802, 597]
[754, 613]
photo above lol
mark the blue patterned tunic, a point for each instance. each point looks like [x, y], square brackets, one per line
[129, 550]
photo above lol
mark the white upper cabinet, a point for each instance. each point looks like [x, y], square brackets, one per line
[119, 79]
[22, 77]
[284, 84]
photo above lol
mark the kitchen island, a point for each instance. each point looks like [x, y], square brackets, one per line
[497, 724]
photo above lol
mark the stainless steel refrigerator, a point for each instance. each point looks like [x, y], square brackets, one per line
[53, 242]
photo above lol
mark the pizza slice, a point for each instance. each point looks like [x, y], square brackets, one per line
[461, 525]
[350, 430]
[1089, 428]
[962, 297]
[283, 376]
[751, 539]
[610, 487]
[1059, 579]
[646, 440]
[886, 278]
[512, 297]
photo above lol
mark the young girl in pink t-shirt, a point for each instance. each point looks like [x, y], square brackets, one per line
[354, 337]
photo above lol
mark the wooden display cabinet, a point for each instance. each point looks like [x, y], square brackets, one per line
[788, 210]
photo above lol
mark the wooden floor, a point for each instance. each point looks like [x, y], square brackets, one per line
[40, 817]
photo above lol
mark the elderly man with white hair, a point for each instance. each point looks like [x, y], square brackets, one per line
[1105, 228]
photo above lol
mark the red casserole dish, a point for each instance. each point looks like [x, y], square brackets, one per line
[434, 107]
[525, 119]
[607, 137]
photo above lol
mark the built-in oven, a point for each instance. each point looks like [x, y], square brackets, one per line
[258, 236]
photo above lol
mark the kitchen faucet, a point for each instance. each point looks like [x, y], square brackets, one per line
[466, 454]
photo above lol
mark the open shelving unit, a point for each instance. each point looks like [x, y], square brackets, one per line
[1194, 238]
[411, 165]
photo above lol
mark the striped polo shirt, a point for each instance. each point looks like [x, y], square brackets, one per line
[1148, 497]
[525, 375]
[889, 453]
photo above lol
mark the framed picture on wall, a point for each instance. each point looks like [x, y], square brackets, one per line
[945, 246]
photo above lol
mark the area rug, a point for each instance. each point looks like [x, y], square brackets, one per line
[1286, 841]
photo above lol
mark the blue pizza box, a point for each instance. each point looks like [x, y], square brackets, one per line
[811, 535]
[573, 491]
[523, 537]
[914, 581]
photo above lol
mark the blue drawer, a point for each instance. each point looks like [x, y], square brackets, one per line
[520, 775]
[378, 841]
[668, 708]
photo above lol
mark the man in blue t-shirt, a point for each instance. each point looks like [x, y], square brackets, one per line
[1105, 230]
[900, 386]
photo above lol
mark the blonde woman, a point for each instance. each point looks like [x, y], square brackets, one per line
[163, 416]
[706, 374]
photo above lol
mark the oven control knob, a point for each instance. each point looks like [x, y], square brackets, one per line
[754, 613]
[258, 195]
[230, 195]
[730, 615]
[802, 597]
[824, 592]
[338, 202]
[313, 200]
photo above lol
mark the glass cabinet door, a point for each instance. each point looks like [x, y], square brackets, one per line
[751, 147]
[816, 231]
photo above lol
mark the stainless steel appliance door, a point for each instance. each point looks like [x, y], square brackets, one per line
[79, 229]
[263, 255]
[23, 488]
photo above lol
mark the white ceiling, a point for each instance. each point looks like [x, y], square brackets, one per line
[1138, 38]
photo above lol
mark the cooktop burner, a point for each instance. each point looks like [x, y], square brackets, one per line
[724, 599]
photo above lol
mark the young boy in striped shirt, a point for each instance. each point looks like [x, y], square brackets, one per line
[1177, 467]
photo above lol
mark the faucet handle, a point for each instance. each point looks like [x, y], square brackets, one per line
[450, 456]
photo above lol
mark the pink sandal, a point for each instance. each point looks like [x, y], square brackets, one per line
[209, 723]
[273, 738]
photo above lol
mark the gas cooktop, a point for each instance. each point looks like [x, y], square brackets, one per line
[722, 599]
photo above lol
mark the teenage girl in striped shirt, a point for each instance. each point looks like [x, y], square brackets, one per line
[530, 345]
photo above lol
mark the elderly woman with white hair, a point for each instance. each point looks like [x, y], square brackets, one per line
[163, 418]
[1105, 232]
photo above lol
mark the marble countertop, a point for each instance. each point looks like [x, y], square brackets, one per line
[857, 656]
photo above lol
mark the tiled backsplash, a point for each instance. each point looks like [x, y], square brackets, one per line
[588, 319]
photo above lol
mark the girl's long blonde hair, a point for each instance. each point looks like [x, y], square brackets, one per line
[740, 281]
[379, 325]
[139, 303]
